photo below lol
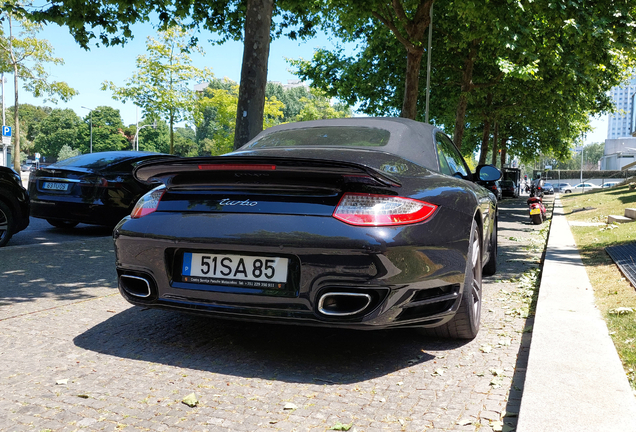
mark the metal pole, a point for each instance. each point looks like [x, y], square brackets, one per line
[582, 150]
[136, 128]
[91, 131]
[428, 64]
[4, 122]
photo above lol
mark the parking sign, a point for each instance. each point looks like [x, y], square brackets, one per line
[6, 131]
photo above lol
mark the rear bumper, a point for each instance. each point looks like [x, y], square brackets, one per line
[93, 213]
[400, 276]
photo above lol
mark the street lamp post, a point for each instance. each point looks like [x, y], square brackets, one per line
[91, 115]
[136, 140]
[582, 151]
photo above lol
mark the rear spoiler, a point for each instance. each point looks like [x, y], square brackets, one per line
[165, 171]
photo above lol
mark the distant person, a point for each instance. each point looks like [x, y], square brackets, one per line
[536, 189]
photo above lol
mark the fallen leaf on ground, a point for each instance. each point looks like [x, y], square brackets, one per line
[190, 400]
[341, 427]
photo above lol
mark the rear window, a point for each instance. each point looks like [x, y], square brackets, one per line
[328, 136]
[92, 160]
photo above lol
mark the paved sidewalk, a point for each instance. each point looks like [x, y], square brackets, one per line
[574, 381]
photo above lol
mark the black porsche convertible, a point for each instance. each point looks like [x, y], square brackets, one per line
[361, 223]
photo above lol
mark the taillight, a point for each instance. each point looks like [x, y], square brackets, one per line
[378, 210]
[148, 203]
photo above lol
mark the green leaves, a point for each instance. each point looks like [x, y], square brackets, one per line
[162, 85]
[26, 56]
[341, 427]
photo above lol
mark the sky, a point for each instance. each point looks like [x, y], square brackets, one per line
[85, 71]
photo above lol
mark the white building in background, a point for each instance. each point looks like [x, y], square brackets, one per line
[620, 123]
[618, 153]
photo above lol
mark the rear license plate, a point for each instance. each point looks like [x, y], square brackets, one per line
[236, 270]
[55, 186]
[535, 211]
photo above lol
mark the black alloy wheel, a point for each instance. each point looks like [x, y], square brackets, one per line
[6, 224]
[465, 323]
[490, 268]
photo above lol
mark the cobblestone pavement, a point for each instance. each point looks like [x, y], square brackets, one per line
[74, 355]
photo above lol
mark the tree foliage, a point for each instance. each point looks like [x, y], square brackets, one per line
[67, 152]
[162, 84]
[521, 77]
[108, 131]
[218, 107]
[60, 128]
[25, 56]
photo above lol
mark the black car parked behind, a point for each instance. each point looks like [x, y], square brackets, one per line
[94, 188]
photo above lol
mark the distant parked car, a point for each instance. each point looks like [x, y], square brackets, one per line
[610, 184]
[548, 189]
[581, 187]
[509, 188]
[492, 186]
[14, 205]
[94, 188]
[559, 187]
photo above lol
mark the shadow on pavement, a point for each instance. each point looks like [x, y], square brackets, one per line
[296, 354]
[68, 271]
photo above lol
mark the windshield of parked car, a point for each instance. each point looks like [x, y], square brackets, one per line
[92, 160]
[327, 136]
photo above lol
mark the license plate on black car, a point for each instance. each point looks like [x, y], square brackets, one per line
[55, 186]
[236, 270]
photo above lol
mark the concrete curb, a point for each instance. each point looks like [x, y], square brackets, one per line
[575, 380]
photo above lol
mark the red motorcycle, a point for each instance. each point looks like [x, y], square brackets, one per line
[536, 207]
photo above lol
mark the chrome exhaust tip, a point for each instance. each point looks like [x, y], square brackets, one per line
[343, 303]
[135, 285]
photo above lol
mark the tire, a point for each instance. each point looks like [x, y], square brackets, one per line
[62, 223]
[465, 323]
[491, 266]
[537, 219]
[7, 226]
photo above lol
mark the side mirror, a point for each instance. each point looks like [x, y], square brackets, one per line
[487, 173]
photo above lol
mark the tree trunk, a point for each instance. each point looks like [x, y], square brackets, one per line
[484, 143]
[16, 122]
[495, 144]
[251, 99]
[16, 106]
[466, 87]
[411, 84]
[503, 154]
